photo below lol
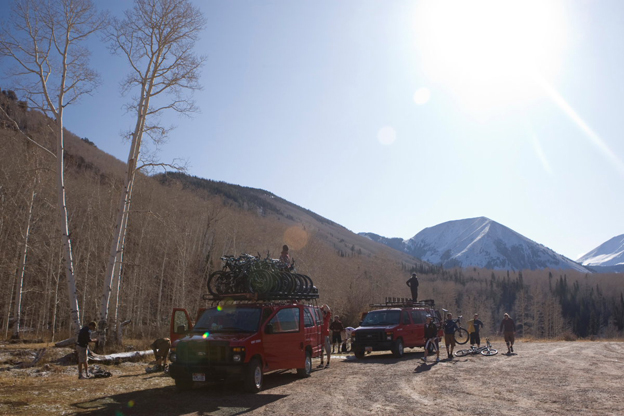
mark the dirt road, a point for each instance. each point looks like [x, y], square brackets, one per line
[566, 378]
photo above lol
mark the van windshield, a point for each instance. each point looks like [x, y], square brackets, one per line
[231, 318]
[378, 318]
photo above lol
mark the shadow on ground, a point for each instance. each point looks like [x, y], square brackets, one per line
[384, 358]
[211, 399]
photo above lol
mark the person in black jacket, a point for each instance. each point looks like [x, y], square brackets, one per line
[82, 347]
[413, 285]
[431, 336]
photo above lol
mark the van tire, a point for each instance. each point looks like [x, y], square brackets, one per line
[359, 353]
[307, 366]
[397, 349]
[253, 376]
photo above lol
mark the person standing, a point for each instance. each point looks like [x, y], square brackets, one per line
[336, 327]
[326, 347]
[431, 336]
[413, 285]
[161, 348]
[285, 258]
[473, 329]
[82, 348]
[450, 326]
[508, 328]
[346, 343]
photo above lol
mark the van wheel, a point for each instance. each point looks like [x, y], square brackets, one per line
[254, 376]
[359, 354]
[397, 350]
[183, 385]
[307, 366]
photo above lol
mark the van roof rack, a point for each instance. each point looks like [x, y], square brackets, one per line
[403, 303]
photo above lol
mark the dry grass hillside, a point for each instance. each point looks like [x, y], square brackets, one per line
[180, 226]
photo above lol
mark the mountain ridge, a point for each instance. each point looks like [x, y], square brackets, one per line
[479, 242]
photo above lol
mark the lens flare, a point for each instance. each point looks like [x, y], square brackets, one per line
[422, 96]
[386, 135]
[206, 334]
[131, 403]
[219, 308]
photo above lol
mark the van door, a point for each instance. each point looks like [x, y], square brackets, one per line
[312, 331]
[180, 324]
[418, 317]
[406, 329]
[283, 339]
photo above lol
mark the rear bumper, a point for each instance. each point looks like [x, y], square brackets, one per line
[213, 372]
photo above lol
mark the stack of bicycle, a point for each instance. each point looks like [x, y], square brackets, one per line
[262, 276]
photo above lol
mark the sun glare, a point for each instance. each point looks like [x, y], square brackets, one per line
[486, 51]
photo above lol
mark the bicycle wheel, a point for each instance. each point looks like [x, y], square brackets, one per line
[489, 352]
[260, 281]
[461, 353]
[219, 282]
[461, 336]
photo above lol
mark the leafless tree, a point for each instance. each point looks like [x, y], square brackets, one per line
[157, 39]
[45, 40]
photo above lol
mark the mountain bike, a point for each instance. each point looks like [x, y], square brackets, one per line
[461, 334]
[486, 350]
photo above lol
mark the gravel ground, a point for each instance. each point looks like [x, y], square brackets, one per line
[541, 378]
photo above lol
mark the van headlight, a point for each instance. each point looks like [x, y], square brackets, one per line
[236, 358]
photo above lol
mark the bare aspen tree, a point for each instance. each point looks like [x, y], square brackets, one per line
[157, 38]
[45, 40]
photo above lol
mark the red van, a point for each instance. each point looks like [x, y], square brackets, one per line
[393, 327]
[244, 340]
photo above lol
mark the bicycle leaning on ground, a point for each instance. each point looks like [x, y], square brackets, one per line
[486, 350]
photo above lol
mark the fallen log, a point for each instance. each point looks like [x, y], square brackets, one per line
[121, 357]
[70, 342]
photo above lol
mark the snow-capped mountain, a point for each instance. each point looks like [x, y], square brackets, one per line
[608, 256]
[478, 242]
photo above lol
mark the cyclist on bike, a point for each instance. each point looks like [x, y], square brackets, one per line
[450, 326]
[431, 336]
[473, 329]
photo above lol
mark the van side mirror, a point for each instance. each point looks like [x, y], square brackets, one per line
[268, 329]
[360, 323]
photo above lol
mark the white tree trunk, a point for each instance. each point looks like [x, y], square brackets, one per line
[72, 292]
[22, 269]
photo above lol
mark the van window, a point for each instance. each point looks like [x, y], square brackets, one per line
[406, 318]
[308, 321]
[180, 322]
[418, 317]
[286, 320]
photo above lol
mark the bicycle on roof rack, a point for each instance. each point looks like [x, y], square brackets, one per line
[264, 277]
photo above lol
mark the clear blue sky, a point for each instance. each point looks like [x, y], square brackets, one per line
[393, 116]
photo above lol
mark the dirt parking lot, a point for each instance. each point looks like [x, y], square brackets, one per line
[565, 378]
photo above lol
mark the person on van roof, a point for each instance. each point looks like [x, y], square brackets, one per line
[413, 285]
